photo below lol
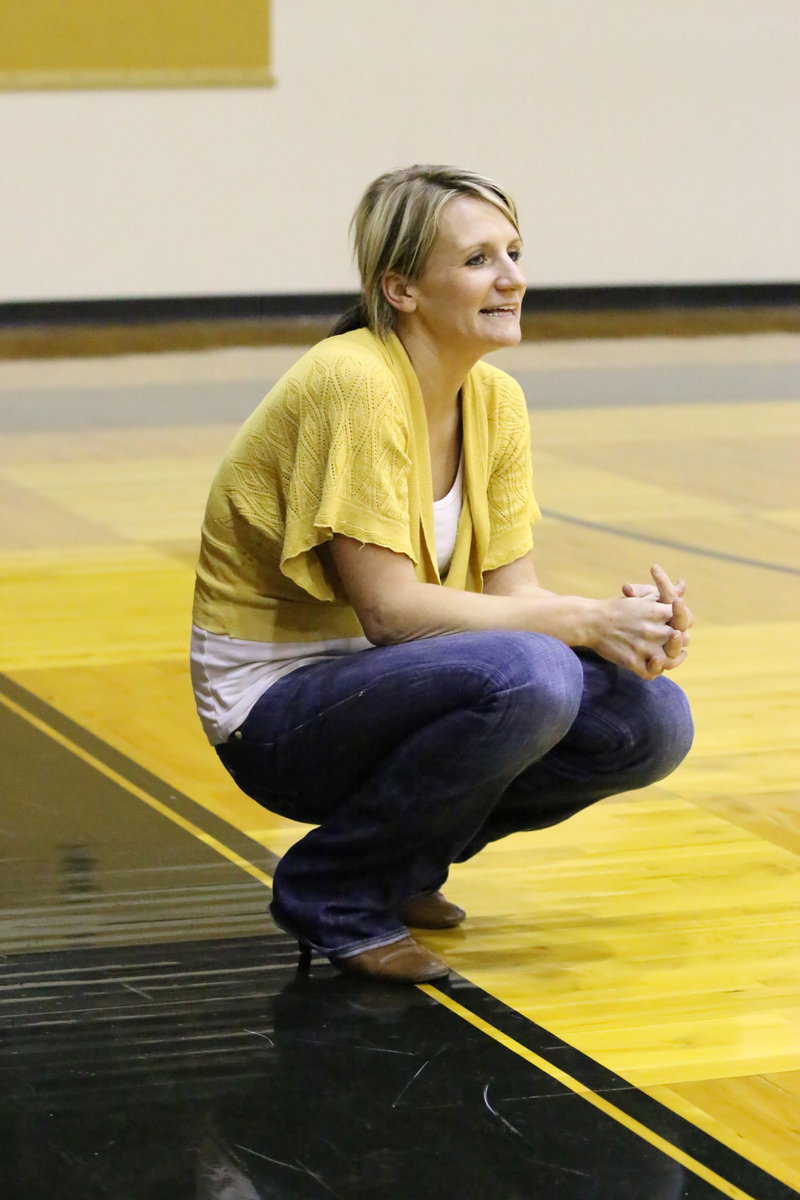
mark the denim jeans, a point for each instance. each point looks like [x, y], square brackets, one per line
[410, 757]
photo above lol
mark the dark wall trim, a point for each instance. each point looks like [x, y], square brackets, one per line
[90, 328]
[638, 297]
[174, 308]
[330, 304]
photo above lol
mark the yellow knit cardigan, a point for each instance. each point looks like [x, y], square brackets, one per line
[340, 445]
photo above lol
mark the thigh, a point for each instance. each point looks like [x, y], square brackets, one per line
[319, 733]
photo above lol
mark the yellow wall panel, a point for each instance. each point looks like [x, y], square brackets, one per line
[134, 43]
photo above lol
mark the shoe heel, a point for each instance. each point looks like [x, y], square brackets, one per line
[303, 948]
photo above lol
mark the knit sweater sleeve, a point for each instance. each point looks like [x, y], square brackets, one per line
[341, 449]
[512, 504]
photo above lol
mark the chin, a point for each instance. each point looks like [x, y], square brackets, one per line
[510, 336]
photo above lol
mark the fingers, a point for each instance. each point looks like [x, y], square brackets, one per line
[656, 647]
[675, 652]
[657, 625]
[656, 665]
[640, 591]
[682, 616]
[673, 647]
[653, 668]
[667, 591]
[673, 593]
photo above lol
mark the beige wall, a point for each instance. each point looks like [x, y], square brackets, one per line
[646, 141]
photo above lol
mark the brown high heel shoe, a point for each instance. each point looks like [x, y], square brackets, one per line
[403, 961]
[399, 962]
[431, 910]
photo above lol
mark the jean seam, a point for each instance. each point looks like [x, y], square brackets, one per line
[489, 675]
[346, 951]
[373, 943]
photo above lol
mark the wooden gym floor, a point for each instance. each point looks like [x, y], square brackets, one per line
[624, 1013]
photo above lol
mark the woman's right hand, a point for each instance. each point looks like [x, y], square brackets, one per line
[632, 631]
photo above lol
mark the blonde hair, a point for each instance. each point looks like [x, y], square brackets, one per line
[395, 226]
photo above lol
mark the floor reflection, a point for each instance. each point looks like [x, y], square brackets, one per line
[211, 1071]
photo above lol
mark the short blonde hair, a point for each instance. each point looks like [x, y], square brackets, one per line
[397, 222]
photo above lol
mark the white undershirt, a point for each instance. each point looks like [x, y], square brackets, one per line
[230, 674]
[445, 521]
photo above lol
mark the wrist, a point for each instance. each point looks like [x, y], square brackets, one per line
[590, 619]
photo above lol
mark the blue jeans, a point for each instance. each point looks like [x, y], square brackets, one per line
[414, 756]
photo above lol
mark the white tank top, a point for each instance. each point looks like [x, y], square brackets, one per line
[446, 513]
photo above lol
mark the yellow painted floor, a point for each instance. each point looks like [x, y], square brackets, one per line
[658, 933]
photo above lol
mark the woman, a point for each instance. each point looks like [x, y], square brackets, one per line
[372, 650]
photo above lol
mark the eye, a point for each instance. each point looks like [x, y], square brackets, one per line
[476, 260]
[515, 254]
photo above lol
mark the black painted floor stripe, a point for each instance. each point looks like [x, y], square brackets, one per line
[385, 1093]
[596, 1078]
[190, 809]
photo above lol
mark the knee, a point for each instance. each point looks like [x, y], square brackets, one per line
[666, 728]
[541, 680]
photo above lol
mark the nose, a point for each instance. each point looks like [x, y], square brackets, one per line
[511, 276]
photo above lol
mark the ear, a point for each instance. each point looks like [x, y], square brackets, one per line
[399, 292]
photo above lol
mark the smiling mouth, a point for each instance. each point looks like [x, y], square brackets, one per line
[501, 310]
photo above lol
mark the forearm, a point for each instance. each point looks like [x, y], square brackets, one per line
[394, 606]
[421, 610]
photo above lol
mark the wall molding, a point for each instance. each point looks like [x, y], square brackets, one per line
[100, 327]
[137, 310]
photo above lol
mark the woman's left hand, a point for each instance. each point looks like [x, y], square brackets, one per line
[675, 650]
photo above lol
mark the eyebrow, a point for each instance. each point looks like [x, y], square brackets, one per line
[473, 246]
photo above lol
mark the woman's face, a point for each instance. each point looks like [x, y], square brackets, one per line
[469, 295]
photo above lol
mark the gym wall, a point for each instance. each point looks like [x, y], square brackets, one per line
[646, 143]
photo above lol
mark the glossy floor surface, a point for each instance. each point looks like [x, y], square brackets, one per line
[621, 1020]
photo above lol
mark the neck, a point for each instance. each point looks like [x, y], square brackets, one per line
[440, 372]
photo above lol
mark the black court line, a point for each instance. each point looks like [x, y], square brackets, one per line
[231, 835]
[685, 547]
[540, 1116]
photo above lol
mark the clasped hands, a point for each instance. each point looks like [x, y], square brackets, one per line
[675, 649]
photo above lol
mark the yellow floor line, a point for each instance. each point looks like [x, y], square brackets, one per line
[599, 1102]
